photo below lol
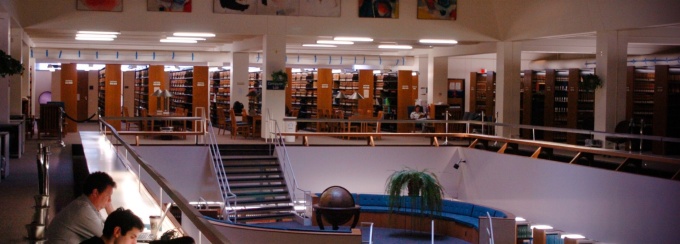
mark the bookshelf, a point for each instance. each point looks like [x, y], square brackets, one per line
[101, 94]
[404, 98]
[110, 92]
[666, 107]
[477, 92]
[141, 91]
[303, 96]
[255, 85]
[389, 97]
[532, 99]
[181, 87]
[347, 84]
[585, 118]
[556, 103]
[220, 92]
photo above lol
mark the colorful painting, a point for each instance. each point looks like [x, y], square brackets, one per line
[379, 9]
[320, 8]
[100, 5]
[235, 6]
[278, 7]
[169, 5]
[437, 9]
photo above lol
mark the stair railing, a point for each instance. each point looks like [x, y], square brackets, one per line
[216, 158]
[305, 198]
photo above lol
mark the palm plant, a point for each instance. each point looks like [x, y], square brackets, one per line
[9, 65]
[422, 188]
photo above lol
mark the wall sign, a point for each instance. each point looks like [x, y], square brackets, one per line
[404, 87]
[68, 82]
[275, 85]
[113, 83]
[156, 83]
[200, 83]
[324, 85]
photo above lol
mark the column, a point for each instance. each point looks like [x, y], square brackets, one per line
[4, 82]
[437, 79]
[423, 69]
[508, 62]
[274, 52]
[610, 101]
[239, 79]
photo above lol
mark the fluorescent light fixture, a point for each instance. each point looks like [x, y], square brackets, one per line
[542, 227]
[573, 236]
[353, 39]
[377, 71]
[518, 219]
[334, 42]
[336, 71]
[96, 36]
[295, 70]
[185, 38]
[194, 34]
[178, 41]
[254, 69]
[395, 46]
[318, 45]
[99, 32]
[438, 41]
[81, 38]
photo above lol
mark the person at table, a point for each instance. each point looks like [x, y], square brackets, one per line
[81, 219]
[417, 114]
[121, 227]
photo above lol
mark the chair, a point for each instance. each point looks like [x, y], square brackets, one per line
[237, 126]
[222, 124]
[144, 114]
[621, 127]
[128, 124]
[181, 112]
[375, 127]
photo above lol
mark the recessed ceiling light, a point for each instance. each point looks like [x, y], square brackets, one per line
[542, 227]
[99, 32]
[96, 36]
[573, 236]
[334, 42]
[353, 39]
[178, 41]
[185, 38]
[85, 38]
[520, 219]
[194, 34]
[438, 41]
[318, 45]
[395, 47]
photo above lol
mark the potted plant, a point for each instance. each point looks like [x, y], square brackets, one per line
[9, 65]
[590, 82]
[421, 187]
[279, 80]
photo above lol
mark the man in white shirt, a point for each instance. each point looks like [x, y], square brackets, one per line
[81, 219]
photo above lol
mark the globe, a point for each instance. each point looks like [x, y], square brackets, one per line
[337, 207]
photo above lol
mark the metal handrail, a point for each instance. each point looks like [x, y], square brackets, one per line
[290, 173]
[217, 164]
[191, 213]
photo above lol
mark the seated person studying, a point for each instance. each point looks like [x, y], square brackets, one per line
[122, 226]
[80, 219]
[417, 114]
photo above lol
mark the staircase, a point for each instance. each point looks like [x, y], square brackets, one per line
[255, 177]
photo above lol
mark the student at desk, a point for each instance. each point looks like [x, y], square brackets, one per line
[122, 226]
[417, 114]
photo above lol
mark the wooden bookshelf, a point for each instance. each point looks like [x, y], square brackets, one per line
[255, 85]
[640, 94]
[181, 87]
[490, 94]
[366, 88]
[69, 86]
[201, 91]
[303, 95]
[585, 118]
[141, 91]
[110, 92]
[666, 108]
[220, 92]
[389, 97]
[477, 92]
[324, 90]
[404, 98]
[347, 84]
[157, 80]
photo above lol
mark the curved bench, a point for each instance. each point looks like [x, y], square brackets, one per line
[460, 212]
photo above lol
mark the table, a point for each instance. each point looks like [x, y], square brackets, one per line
[254, 121]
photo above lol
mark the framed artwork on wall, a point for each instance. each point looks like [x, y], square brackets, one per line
[437, 9]
[169, 5]
[323, 8]
[379, 9]
[235, 6]
[100, 5]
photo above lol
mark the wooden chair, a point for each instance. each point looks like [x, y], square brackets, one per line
[128, 124]
[237, 126]
[145, 123]
[181, 112]
[375, 127]
[222, 124]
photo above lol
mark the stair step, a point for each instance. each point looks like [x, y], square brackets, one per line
[242, 165]
[262, 194]
[267, 201]
[263, 217]
[265, 209]
[270, 179]
[243, 173]
[257, 187]
[247, 157]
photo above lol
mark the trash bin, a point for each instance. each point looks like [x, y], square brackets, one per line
[291, 126]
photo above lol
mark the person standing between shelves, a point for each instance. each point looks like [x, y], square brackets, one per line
[81, 219]
[417, 114]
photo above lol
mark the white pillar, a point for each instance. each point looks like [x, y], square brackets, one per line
[4, 82]
[423, 74]
[508, 61]
[610, 100]
[437, 80]
[274, 52]
[239, 79]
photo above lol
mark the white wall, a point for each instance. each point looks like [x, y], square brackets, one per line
[187, 168]
[43, 83]
[607, 206]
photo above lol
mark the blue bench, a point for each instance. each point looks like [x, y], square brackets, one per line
[309, 229]
[460, 212]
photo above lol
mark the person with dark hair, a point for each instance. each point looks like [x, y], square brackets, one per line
[121, 227]
[81, 219]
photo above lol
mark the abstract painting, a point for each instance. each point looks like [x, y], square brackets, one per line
[235, 6]
[278, 7]
[169, 5]
[379, 9]
[437, 9]
[100, 5]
